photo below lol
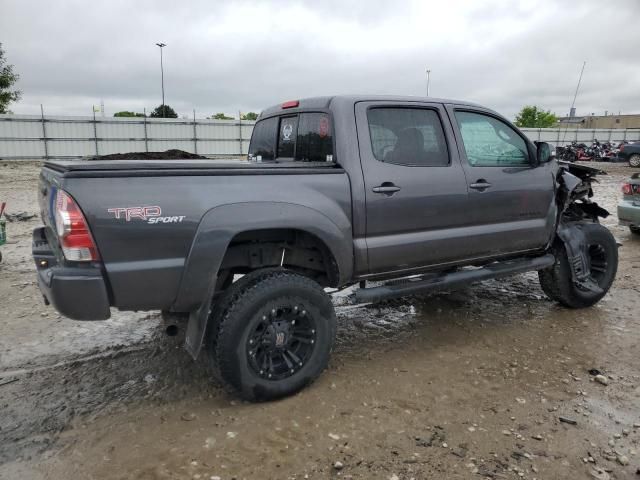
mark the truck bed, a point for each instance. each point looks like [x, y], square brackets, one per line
[148, 265]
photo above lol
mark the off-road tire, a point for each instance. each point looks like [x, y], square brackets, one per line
[556, 281]
[634, 160]
[221, 303]
[244, 306]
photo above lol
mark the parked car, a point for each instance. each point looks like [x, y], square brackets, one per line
[629, 207]
[339, 191]
[630, 152]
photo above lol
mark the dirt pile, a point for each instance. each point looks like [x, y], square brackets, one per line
[166, 155]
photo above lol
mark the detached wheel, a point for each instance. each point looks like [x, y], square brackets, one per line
[634, 160]
[557, 283]
[274, 334]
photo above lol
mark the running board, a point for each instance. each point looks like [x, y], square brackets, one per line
[450, 281]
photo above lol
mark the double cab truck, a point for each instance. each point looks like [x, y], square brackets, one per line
[397, 195]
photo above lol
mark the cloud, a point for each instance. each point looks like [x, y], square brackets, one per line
[246, 55]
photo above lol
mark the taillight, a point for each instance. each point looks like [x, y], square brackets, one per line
[73, 231]
[621, 147]
[290, 104]
[626, 189]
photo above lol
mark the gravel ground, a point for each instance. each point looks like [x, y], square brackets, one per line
[489, 382]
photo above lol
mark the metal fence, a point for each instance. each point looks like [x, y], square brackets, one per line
[37, 137]
[561, 136]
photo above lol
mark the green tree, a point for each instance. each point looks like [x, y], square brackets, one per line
[7, 79]
[164, 111]
[126, 113]
[249, 116]
[533, 117]
[220, 116]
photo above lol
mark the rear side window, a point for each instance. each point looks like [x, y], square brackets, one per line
[408, 136]
[263, 139]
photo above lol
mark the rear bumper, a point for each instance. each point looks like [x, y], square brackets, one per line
[628, 214]
[77, 293]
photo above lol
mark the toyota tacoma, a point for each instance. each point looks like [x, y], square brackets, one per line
[397, 195]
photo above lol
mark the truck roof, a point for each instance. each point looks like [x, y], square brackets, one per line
[327, 101]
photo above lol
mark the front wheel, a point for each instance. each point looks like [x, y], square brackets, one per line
[635, 229]
[634, 160]
[557, 283]
[274, 336]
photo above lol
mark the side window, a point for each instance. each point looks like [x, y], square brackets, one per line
[287, 136]
[263, 139]
[489, 142]
[314, 142]
[407, 136]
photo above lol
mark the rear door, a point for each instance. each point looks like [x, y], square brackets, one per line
[511, 201]
[415, 188]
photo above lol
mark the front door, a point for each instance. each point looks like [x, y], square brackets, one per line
[511, 200]
[415, 188]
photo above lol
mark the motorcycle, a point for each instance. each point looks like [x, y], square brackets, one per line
[608, 151]
[567, 153]
[582, 153]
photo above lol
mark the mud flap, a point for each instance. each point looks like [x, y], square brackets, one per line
[197, 325]
[575, 243]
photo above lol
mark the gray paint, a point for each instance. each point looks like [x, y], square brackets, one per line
[145, 263]
[434, 220]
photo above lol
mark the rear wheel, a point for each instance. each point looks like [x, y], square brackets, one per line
[634, 229]
[557, 282]
[634, 160]
[273, 335]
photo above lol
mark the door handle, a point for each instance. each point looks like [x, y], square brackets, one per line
[387, 188]
[481, 185]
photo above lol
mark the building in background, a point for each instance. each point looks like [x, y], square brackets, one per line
[601, 121]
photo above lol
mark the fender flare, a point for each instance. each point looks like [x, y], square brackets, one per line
[221, 224]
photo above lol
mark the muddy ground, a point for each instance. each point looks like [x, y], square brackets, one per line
[470, 384]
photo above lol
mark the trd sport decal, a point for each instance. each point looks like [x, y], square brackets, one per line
[151, 215]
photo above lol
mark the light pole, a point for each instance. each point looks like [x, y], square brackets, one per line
[162, 76]
[428, 80]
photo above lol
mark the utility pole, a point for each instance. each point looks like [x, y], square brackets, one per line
[161, 45]
[428, 80]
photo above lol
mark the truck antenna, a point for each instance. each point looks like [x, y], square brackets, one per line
[575, 95]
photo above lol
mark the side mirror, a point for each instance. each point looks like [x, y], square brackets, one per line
[543, 153]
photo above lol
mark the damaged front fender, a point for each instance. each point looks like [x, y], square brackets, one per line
[575, 192]
[575, 207]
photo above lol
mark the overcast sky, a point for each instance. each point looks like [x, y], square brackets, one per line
[230, 56]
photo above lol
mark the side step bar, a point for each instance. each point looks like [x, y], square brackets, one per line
[452, 280]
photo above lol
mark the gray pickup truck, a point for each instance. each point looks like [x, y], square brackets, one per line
[420, 193]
